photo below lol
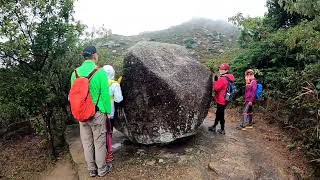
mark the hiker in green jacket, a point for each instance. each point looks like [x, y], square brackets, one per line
[93, 131]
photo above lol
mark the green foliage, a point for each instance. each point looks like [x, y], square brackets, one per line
[292, 146]
[38, 50]
[226, 57]
[107, 58]
[277, 17]
[204, 36]
[252, 29]
[284, 46]
[310, 8]
[190, 43]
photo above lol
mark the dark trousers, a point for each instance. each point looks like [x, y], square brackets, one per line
[220, 116]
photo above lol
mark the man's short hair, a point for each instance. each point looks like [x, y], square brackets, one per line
[88, 57]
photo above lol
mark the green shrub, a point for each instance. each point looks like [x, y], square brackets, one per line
[285, 50]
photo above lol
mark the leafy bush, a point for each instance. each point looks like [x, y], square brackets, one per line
[226, 57]
[39, 48]
[284, 47]
[190, 43]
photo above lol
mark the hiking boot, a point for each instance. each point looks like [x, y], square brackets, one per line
[220, 131]
[212, 129]
[109, 157]
[93, 173]
[106, 170]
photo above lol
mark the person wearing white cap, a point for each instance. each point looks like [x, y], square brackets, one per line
[115, 96]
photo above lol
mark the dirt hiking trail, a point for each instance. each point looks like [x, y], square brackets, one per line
[258, 153]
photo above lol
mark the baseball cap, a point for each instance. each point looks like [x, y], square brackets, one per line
[224, 66]
[88, 51]
[249, 71]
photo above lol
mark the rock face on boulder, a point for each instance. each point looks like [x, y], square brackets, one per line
[166, 93]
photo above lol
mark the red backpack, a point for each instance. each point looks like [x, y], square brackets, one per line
[82, 106]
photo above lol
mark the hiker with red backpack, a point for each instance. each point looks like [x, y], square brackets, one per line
[250, 98]
[91, 106]
[224, 93]
[116, 97]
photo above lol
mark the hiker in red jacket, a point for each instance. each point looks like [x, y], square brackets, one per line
[250, 99]
[220, 88]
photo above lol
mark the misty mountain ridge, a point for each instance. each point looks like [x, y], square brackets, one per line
[204, 37]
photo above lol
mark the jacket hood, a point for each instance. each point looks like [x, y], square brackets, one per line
[110, 71]
[231, 77]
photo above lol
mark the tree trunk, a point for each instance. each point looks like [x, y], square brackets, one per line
[47, 119]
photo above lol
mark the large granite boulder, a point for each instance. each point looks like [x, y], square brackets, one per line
[166, 93]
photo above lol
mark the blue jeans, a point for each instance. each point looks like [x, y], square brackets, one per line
[247, 115]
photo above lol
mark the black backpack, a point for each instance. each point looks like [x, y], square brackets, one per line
[231, 90]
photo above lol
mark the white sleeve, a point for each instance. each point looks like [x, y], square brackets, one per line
[117, 93]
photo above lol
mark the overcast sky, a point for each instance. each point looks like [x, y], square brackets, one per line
[130, 17]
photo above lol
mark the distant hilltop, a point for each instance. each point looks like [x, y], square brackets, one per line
[204, 37]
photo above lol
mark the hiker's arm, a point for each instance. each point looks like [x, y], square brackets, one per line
[215, 78]
[218, 85]
[105, 94]
[117, 93]
[73, 77]
[253, 87]
[254, 90]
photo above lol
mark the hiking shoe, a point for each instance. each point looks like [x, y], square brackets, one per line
[212, 129]
[93, 173]
[109, 157]
[241, 128]
[106, 170]
[250, 126]
[220, 131]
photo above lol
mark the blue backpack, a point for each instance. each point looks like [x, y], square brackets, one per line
[231, 90]
[259, 92]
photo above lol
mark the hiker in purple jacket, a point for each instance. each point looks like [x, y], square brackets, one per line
[250, 98]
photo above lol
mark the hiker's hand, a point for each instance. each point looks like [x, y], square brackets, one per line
[215, 78]
[247, 80]
[108, 116]
[250, 103]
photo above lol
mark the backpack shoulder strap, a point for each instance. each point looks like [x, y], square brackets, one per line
[76, 73]
[112, 82]
[254, 80]
[92, 73]
[228, 79]
[120, 79]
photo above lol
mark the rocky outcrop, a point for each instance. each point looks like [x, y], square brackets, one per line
[166, 93]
